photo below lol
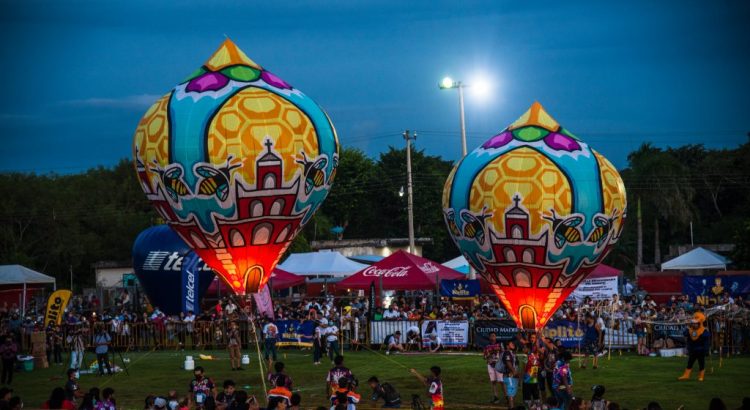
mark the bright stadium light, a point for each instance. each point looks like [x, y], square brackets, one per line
[447, 83]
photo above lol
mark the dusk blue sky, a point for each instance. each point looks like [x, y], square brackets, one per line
[79, 75]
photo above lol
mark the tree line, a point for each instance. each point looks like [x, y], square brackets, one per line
[62, 223]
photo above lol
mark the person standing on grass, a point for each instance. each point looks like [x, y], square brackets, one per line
[593, 341]
[8, 352]
[233, 345]
[562, 380]
[434, 387]
[318, 342]
[698, 346]
[531, 378]
[510, 371]
[78, 347]
[491, 353]
[102, 341]
[332, 341]
[270, 336]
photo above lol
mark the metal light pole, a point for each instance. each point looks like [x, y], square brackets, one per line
[447, 84]
[409, 198]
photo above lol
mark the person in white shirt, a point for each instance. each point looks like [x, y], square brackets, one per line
[190, 327]
[412, 337]
[332, 340]
[230, 308]
[271, 335]
[435, 343]
[392, 313]
[394, 343]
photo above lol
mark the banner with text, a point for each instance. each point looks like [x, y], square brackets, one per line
[459, 289]
[295, 332]
[705, 290]
[56, 304]
[596, 289]
[504, 329]
[451, 333]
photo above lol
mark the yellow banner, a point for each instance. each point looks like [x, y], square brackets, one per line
[56, 306]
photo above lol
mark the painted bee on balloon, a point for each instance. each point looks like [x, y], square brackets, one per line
[603, 228]
[171, 178]
[475, 226]
[450, 220]
[216, 180]
[565, 230]
[315, 175]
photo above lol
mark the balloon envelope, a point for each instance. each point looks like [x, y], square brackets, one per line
[172, 275]
[534, 210]
[236, 161]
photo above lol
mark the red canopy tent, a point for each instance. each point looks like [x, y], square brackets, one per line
[280, 279]
[401, 271]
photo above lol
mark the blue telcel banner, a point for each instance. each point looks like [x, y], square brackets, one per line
[708, 289]
[295, 332]
[459, 289]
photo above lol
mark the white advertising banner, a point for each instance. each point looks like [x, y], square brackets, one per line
[596, 289]
[382, 328]
[451, 333]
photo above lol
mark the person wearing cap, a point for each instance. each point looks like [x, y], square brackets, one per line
[394, 343]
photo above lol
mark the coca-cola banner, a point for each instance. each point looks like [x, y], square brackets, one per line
[401, 271]
[448, 333]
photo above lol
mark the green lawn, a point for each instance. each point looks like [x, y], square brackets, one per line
[632, 381]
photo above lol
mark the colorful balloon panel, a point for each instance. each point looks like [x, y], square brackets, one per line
[534, 210]
[236, 161]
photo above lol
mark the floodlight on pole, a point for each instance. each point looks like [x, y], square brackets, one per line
[446, 84]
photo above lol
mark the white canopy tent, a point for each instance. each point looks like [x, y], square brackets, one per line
[21, 275]
[698, 258]
[325, 264]
[458, 263]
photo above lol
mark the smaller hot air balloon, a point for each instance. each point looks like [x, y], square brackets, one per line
[172, 275]
[236, 161]
[534, 210]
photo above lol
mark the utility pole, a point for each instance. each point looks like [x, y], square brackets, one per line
[409, 199]
[463, 120]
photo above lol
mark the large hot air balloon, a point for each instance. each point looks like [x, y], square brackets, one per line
[236, 161]
[534, 210]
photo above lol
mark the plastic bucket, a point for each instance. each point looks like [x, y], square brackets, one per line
[245, 359]
[28, 365]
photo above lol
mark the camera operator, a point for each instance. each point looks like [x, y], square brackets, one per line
[102, 341]
[384, 391]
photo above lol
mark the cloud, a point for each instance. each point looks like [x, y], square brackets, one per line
[140, 101]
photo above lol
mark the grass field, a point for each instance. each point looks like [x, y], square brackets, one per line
[630, 380]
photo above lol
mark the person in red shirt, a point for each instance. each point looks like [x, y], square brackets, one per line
[434, 386]
[57, 400]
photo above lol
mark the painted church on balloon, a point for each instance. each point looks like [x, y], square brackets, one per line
[534, 209]
[236, 161]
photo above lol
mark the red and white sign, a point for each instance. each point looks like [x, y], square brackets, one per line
[400, 271]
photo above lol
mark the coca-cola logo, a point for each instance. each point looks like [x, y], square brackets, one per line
[395, 272]
[428, 267]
